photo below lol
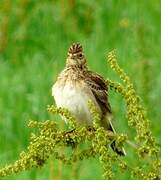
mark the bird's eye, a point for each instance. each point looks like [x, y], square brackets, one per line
[80, 55]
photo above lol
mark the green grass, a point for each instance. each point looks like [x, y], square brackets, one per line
[35, 36]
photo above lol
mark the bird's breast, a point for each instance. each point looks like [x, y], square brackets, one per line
[75, 98]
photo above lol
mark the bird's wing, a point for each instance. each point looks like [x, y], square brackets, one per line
[99, 89]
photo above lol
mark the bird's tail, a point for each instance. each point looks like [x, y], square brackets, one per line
[119, 151]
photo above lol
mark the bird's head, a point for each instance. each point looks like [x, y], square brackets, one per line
[76, 56]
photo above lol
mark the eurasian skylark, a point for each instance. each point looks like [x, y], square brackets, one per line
[76, 85]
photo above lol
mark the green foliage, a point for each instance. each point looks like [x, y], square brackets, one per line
[49, 138]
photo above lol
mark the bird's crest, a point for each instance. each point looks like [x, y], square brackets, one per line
[75, 48]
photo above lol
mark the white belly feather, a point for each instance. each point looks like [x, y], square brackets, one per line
[75, 99]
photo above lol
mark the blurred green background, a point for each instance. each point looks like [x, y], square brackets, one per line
[34, 39]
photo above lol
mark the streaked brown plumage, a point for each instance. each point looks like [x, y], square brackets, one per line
[76, 85]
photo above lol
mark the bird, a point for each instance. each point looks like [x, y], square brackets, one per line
[76, 85]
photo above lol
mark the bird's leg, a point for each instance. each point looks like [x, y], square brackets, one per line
[70, 141]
